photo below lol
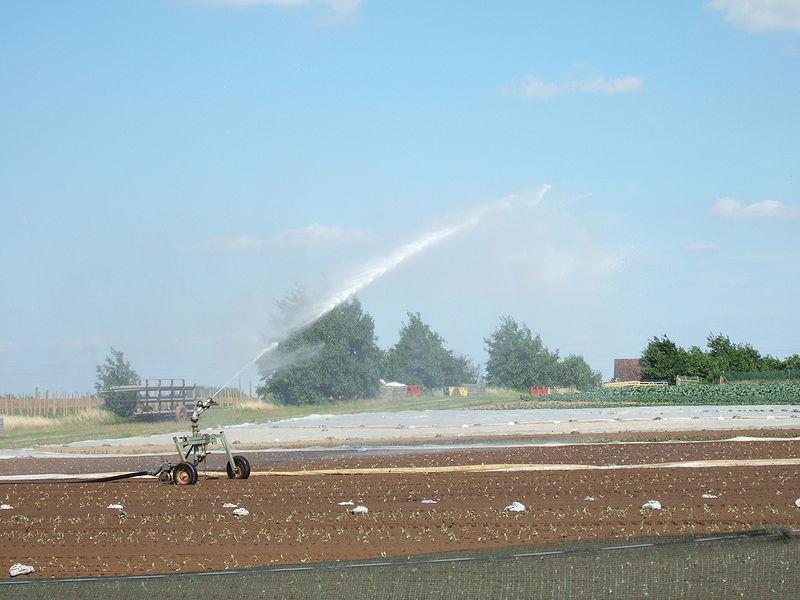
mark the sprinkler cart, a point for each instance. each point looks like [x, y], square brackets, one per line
[172, 397]
[193, 450]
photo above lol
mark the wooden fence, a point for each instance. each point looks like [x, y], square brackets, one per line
[48, 404]
[60, 404]
[622, 384]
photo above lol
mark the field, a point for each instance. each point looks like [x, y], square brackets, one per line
[572, 493]
[733, 394]
[25, 431]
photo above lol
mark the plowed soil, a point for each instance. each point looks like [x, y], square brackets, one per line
[588, 454]
[66, 529]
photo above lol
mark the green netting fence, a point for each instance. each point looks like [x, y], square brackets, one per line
[790, 375]
[756, 564]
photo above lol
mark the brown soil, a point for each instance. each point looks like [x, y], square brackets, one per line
[587, 454]
[66, 530]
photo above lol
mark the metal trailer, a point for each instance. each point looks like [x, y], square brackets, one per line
[159, 397]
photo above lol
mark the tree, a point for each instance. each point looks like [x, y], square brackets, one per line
[574, 371]
[700, 364]
[728, 356]
[517, 358]
[791, 362]
[336, 357]
[113, 372]
[419, 356]
[663, 359]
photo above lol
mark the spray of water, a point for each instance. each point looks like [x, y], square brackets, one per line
[365, 277]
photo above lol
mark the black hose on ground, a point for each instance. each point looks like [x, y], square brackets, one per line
[96, 480]
[115, 477]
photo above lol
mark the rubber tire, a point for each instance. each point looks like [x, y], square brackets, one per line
[181, 414]
[184, 474]
[243, 466]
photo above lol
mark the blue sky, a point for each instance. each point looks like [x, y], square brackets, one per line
[167, 168]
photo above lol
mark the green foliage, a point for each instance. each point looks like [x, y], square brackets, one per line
[704, 394]
[335, 358]
[518, 359]
[574, 371]
[113, 372]
[728, 356]
[663, 359]
[788, 375]
[419, 357]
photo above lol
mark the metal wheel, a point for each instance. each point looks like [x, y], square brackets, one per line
[242, 470]
[184, 474]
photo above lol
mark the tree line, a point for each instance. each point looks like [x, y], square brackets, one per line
[337, 357]
[664, 359]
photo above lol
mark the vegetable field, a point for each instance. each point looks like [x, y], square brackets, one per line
[754, 393]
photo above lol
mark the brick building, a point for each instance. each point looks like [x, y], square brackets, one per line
[627, 369]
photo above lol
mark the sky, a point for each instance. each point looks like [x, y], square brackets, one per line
[169, 168]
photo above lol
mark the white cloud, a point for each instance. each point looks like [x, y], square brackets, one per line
[760, 15]
[700, 246]
[311, 235]
[340, 7]
[730, 208]
[533, 87]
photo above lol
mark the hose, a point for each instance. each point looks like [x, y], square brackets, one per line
[97, 480]
[113, 477]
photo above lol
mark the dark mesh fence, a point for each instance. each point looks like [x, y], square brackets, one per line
[748, 565]
[792, 375]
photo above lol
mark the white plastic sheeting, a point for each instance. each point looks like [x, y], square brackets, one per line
[652, 505]
[20, 569]
[515, 507]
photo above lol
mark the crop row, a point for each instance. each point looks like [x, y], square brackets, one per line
[753, 393]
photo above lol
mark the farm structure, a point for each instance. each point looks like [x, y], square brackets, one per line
[173, 397]
[627, 369]
[159, 396]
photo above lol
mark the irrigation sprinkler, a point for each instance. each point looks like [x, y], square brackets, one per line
[171, 396]
[193, 450]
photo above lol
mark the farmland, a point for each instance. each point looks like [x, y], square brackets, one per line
[67, 530]
[23, 431]
[707, 394]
